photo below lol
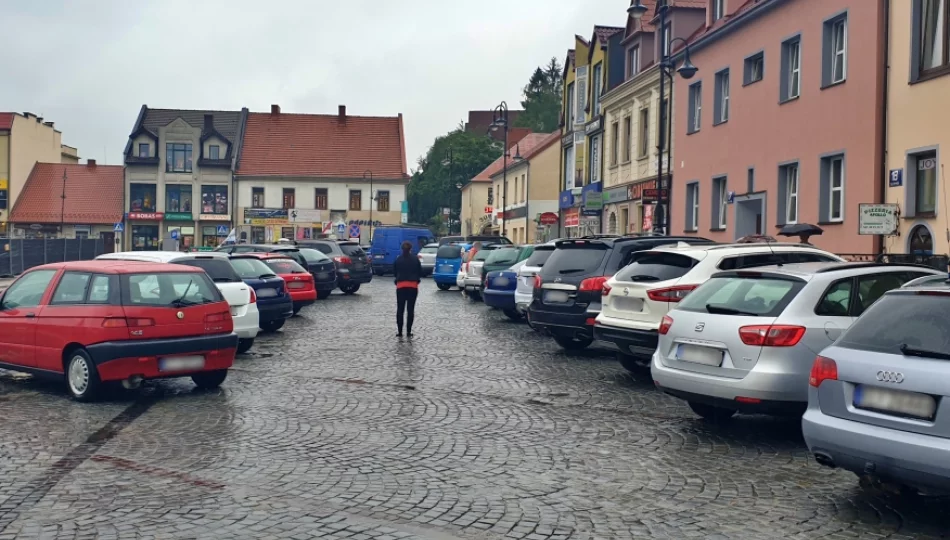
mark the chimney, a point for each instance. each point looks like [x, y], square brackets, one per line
[48, 124]
[91, 163]
[342, 114]
[209, 122]
[275, 109]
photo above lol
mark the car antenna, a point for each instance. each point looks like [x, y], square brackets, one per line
[768, 242]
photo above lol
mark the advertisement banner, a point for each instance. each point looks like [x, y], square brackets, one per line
[878, 218]
[265, 216]
[572, 217]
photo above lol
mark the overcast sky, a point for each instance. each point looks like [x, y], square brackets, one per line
[89, 65]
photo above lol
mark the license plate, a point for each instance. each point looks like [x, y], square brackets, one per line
[899, 402]
[323, 276]
[629, 304]
[358, 266]
[297, 285]
[445, 269]
[706, 356]
[181, 363]
[556, 296]
[377, 256]
[500, 282]
[266, 293]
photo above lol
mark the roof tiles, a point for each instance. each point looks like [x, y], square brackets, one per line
[93, 194]
[527, 147]
[6, 121]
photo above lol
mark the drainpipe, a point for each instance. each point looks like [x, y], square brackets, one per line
[527, 205]
[883, 173]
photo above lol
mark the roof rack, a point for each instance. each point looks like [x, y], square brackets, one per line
[759, 245]
[834, 267]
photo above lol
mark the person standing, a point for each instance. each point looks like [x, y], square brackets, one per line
[408, 273]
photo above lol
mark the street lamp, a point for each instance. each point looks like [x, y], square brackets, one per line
[459, 186]
[500, 120]
[661, 224]
[449, 162]
[372, 198]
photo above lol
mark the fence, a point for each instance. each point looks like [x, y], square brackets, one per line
[19, 255]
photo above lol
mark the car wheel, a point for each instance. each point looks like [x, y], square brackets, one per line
[513, 314]
[208, 380]
[475, 296]
[711, 413]
[323, 295]
[82, 377]
[296, 311]
[350, 288]
[272, 326]
[444, 286]
[634, 364]
[571, 343]
[245, 345]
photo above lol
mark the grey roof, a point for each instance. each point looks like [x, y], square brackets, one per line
[227, 123]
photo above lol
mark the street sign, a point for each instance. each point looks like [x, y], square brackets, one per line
[174, 234]
[341, 229]
[223, 230]
[896, 177]
[354, 231]
[36, 227]
[118, 227]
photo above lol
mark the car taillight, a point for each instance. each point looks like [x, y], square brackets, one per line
[464, 268]
[775, 335]
[605, 290]
[114, 323]
[537, 281]
[343, 259]
[253, 297]
[824, 369]
[593, 284]
[670, 294]
[118, 322]
[217, 317]
[665, 324]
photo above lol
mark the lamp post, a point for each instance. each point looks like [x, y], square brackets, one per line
[449, 162]
[661, 224]
[372, 198]
[500, 120]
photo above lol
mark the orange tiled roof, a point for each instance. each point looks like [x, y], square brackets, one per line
[6, 121]
[321, 145]
[528, 147]
[93, 194]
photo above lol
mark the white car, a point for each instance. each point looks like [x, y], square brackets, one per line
[239, 295]
[427, 258]
[526, 276]
[640, 294]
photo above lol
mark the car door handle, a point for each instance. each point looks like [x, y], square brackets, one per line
[30, 315]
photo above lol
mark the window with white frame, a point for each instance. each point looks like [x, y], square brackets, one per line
[722, 97]
[754, 68]
[633, 61]
[627, 137]
[596, 89]
[923, 176]
[720, 200]
[644, 133]
[836, 189]
[791, 68]
[695, 107]
[931, 53]
[615, 143]
[692, 206]
[839, 51]
[571, 112]
[719, 10]
[790, 180]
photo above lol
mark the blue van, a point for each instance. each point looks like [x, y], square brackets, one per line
[387, 241]
[273, 300]
[448, 261]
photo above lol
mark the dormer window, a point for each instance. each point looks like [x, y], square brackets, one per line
[718, 9]
[214, 152]
[143, 150]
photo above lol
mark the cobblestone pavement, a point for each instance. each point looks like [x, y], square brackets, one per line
[478, 428]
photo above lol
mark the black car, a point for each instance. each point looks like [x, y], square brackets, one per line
[353, 265]
[445, 240]
[290, 251]
[567, 290]
[323, 270]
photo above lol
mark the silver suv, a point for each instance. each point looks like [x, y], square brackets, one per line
[745, 340]
[879, 398]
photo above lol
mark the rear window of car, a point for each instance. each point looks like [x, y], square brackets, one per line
[574, 260]
[752, 260]
[284, 266]
[917, 321]
[323, 248]
[251, 268]
[539, 256]
[449, 252]
[352, 250]
[737, 295]
[503, 256]
[219, 270]
[656, 266]
[313, 256]
[483, 254]
[168, 289]
[429, 250]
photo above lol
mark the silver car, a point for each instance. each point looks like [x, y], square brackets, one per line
[526, 276]
[745, 340]
[427, 258]
[879, 398]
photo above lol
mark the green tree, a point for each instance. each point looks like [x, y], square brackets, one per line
[542, 99]
[433, 183]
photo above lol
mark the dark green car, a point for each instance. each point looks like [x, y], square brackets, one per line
[504, 258]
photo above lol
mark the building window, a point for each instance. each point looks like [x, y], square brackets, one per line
[178, 198]
[580, 94]
[382, 201]
[595, 156]
[719, 10]
[750, 180]
[214, 200]
[624, 220]
[834, 50]
[356, 199]
[695, 114]
[570, 105]
[754, 68]
[214, 152]
[615, 143]
[257, 197]
[720, 201]
[612, 223]
[524, 187]
[692, 206]
[491, 196]
[145, 238]
[627, 138]
[791, 68]
[922, 180]
[921, 241]
[721, 111]
[143, 150]
[4, 199]
[568, 170]
[142, 197]
[788, 182]
[932, 18]
[633, 61]
[321, 199]
[178, 157]
[667, 38]
[290, 198]
[596, 86]
[644, 129]
[831, 189]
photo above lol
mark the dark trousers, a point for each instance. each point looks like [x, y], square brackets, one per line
[406, 301]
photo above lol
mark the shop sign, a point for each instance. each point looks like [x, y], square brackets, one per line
[593, 201]
[146, 216]
[572, 218]
[178, 216]
[306, 215]
[548, 218]
[615, 195]
[635, 192]
[566, 199]
[593, 126]
[265, 216]
[878, 218]
[567, 140]
[214, 217]
[651, 195]
[489, 209]
[517, 213]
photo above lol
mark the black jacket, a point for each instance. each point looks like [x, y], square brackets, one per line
[407, 268]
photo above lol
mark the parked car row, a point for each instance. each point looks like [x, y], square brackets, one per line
[858, 349]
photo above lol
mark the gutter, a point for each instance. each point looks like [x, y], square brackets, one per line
[886, 74]
[730, 26]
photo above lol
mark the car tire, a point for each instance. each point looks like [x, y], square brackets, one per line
[350, 288]
[444, 286]
[296, 311]
[513, 314]
[272, 326]
[209, 380]
[82, 377]
[634, 364]
[571, 343]
[244, 345]
[323, 295]
[711, 413]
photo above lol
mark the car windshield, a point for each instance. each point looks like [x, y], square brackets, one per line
[251, 268]
[352, 250]
[503, 256]
[313, 256]
[168, 289]
[656, 266]
[449, 252]
[284, 266]
[218, 269]
[574, 260]
[908, 324]
[738, 295]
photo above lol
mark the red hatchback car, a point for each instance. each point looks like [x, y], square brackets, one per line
[121, 321]
[298, 280]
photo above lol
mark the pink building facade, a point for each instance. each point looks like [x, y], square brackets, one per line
[783, 123]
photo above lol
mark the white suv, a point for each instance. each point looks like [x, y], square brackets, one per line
[239, 295]
[640, 294]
